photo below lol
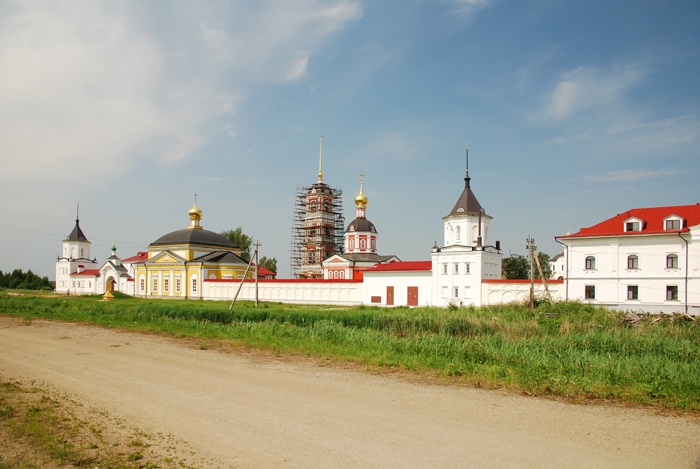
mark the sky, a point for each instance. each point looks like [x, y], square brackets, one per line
[573, 111]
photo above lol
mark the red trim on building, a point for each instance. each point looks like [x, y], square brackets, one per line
[282, 280]
[403, 266]
[519, 280]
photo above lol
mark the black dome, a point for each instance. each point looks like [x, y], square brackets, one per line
[194, 236]
[361, 224]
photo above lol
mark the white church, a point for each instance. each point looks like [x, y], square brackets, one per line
[465, 270]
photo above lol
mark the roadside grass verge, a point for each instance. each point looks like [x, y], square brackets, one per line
[40, 429]
[571, 350]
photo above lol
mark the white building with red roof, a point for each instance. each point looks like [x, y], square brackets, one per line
[643, 259]
[455, 273]
[467, 257]
[75, 271]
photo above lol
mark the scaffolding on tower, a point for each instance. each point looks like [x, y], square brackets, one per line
[317, 230]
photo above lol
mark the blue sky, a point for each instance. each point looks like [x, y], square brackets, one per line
[574, 111]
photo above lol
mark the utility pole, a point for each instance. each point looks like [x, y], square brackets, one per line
[531, 249]
[257, 266]
[240, 285]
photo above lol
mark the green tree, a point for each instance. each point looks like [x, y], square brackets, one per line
[240, 239]
[269, 263]
[515, 266]
[546, 268]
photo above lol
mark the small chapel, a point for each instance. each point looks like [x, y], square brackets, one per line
[360, 246]
[178, 262]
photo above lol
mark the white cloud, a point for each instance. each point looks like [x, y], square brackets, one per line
[627, 175]
[397, 146]
[588, 88]
[89, 88]
[653, 125]
[471, 7]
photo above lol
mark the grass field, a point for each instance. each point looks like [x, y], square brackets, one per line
[570, 350]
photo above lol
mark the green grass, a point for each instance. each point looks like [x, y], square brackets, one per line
[571, 350]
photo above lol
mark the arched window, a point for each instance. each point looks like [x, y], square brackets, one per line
[352, 243]
[458, 231]
[633, 262]
[590, 263]
[672, 261]
[342, 274]
[363, 244]
[374, 244]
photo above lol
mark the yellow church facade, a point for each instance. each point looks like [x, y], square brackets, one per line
[180, 261]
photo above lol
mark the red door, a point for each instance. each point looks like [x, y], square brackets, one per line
[389, 296]
[412, 296]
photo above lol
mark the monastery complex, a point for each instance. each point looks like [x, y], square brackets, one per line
[645, 259]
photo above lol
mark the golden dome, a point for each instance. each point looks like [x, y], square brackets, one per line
[361, 199]
[195, 213]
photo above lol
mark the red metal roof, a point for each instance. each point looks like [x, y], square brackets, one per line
[141, 256]
[87, 273]
[263, 271]
[652, 217]
[402, 266]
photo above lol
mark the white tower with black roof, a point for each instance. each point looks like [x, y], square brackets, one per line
[467, 257]
[74, 258]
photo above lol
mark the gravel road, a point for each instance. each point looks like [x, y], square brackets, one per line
[253, 410]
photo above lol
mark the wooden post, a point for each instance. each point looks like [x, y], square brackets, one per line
[544, 280]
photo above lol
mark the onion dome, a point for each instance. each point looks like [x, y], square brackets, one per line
[361, 200]
[195, 213]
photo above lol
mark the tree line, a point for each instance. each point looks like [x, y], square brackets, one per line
[24, 281]
[245, 242]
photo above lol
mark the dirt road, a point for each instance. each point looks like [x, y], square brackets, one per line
[253, 411]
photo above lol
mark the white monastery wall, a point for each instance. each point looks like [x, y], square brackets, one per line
[348, 292]
[494, 292]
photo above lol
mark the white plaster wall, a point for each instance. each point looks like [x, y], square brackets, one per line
[508, 292]
[284, 291]
[376, 284]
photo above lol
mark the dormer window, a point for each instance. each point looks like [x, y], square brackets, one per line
[673, 223]
[633, 224]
